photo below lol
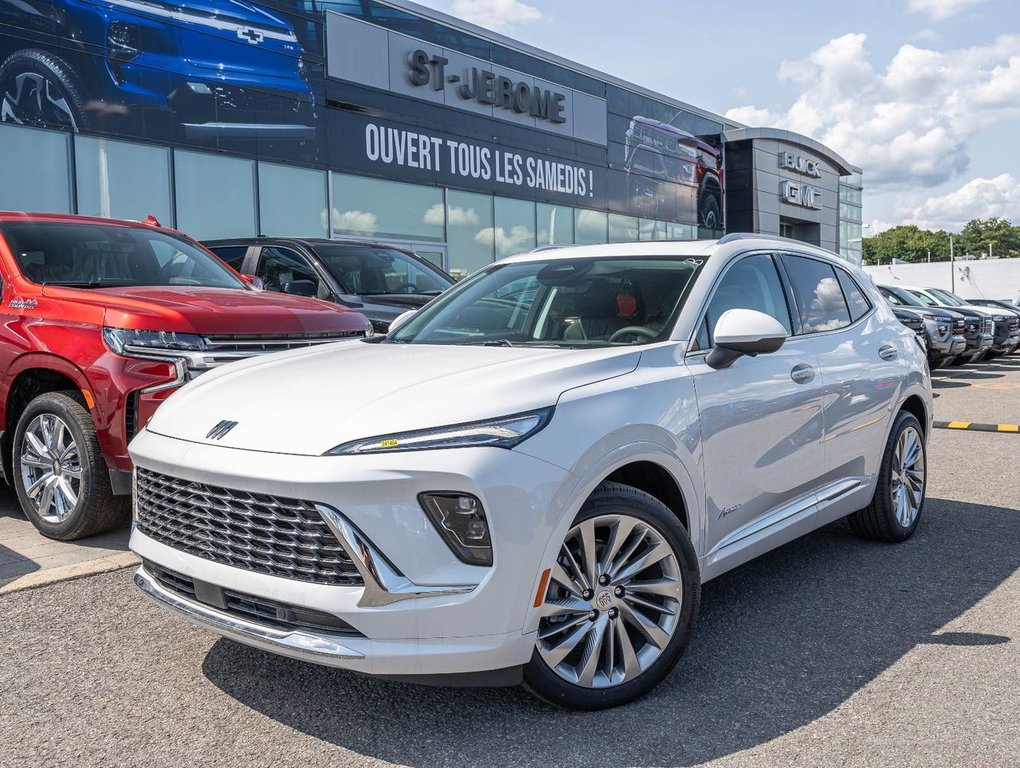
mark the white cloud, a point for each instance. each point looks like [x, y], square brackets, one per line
[941, 9]
[908, 124]
[517, 240]
[977, 199]
[498, 15]
[355, 222]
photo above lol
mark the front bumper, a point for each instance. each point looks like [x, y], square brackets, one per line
[430, 614]
[950, 346]
[1006, 342]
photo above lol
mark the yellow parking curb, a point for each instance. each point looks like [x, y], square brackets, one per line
[975, 427]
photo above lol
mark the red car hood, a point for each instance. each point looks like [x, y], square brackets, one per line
[190, 309]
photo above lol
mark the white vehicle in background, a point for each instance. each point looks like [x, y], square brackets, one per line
[531, 477]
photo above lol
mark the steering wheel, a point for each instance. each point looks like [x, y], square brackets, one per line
[406, 287]
[637, 330]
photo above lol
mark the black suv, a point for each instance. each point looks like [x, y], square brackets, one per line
[378, 280]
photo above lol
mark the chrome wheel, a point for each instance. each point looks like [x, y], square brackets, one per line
[613, 602]
[51, 471]
[908, 477]
[35, 100]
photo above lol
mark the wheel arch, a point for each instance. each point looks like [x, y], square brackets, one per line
[915, 405]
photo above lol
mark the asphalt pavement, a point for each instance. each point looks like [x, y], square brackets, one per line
[830, 651]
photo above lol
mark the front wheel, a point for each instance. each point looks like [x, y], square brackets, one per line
[60, 475]
[895, 509]
[40, 89]
[621, 603]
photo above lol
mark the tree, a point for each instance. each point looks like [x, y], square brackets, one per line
[1000, 234]
[906, 243]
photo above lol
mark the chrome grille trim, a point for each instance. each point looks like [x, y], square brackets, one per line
[226, 348]
[959, 326]
[266, 534]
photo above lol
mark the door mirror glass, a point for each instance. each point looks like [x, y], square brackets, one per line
[254, 282]
[744, 332]
[300, 288]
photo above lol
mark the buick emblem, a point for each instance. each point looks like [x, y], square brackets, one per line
[220, 430]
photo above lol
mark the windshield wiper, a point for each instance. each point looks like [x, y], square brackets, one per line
[81, 284]
[498, 343]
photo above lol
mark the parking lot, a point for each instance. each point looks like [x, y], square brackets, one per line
[828, 651]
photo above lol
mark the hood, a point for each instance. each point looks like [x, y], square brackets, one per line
[310, 400]
[190, 309]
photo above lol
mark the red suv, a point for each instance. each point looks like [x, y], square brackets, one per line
[100, 321]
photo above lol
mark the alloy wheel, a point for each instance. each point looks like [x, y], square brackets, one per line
[613, 602]
[51, 470]
[908, 476]
[35, 100]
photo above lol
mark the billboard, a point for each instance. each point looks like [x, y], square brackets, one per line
[373, 89]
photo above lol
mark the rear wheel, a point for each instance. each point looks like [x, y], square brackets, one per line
[38, 88]
[896, 507]
[60, 475]
[621, 604]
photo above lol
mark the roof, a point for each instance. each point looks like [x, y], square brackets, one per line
[69, 218]
[778, 134]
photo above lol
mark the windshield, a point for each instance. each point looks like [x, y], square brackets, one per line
[376, 271]
[898, 297]
[559, 302]
[950, 299]
[108, 256]
[928, 301]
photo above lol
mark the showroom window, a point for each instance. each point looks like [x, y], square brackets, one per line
[681, 231]
[215, 195]
[36, 174]
[366, 207]
[292, 201]
[819, 298]
[623, 229]
[122, 180]
[555, 224]
[515, 226]
[590, 227]
[469, 227]
[649, 229]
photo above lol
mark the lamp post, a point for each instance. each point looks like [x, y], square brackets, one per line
[952, 267]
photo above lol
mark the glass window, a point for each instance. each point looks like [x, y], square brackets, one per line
[232, 255]
[100, 256]
[819, 298]
[36, 170]
[751, 283]
[858, 303]
[574, 303]
[215, 195]
[379, 208]
[590, 227]
[292, 201]
[649, 229]
[279, 266]
[469, 232]
[122, 180]
[623, 229]
[374, 270]
[555, 224]
[681, 231]
[515, 226]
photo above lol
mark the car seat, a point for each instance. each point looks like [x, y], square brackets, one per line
[599, 313]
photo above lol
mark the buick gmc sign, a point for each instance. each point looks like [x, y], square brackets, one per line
[487, 87]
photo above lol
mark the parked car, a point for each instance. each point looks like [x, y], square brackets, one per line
[980, 327]
[1006, 333]
[532, 476]
[944, 329]
[215, 69]
[1005, 306]
[914, 322]
[101, 321]
[378, 280]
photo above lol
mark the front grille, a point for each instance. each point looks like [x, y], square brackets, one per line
[987, 325]
[259, 610]
[265, 534]
[226, 348]
[256, 103]
[959, 326]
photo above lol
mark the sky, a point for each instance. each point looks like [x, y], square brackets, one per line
[924, 95]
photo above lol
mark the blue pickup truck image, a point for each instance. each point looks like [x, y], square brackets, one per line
[193, 70]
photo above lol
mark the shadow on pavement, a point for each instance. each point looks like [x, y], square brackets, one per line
[944, 384]
[782, 641]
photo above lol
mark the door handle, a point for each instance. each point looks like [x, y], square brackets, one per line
[887, 352]
[802, 373]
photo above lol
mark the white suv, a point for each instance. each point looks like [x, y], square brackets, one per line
[533, 476]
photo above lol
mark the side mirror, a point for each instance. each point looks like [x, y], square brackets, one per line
[301, 288]
[254, 282]
[400, 319]
[744, 332]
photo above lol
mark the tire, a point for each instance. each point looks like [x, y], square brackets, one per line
[934, 363]
[709, 212]
[884, 519]
[961, 360]
[608, 613]
[27, 73]
[990, 356]
[63, 506]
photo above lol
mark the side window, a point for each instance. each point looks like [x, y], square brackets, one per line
[855, 298]
[751, 283]
[819, 298]
[279, 266]
[233, 255]
[892, 298]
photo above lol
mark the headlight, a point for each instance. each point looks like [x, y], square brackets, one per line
[505, 432]
[122, 340]
[927, 316]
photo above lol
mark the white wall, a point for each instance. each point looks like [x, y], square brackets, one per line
[981, 278]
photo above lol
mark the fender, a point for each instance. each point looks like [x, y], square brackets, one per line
[43, 360]
[578, 488]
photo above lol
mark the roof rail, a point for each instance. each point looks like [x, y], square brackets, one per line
[729, 237]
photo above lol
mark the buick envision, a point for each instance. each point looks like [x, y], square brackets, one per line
[548, 462]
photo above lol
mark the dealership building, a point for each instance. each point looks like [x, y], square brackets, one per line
[382, 120]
